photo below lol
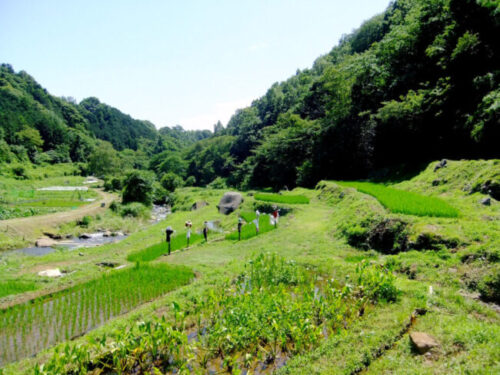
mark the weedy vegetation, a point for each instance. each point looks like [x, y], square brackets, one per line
[272, 311]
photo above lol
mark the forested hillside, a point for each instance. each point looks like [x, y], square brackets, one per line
[38, 127]
[419, 82]
[416, 83]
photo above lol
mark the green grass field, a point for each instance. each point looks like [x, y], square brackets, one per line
[279, 198]
[404, 202]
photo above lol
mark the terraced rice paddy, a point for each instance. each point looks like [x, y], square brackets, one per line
[177, 242]
[248, 230]
[404, 202]
[14, 287]
[30, 201]
[279, 198]
[29, 328]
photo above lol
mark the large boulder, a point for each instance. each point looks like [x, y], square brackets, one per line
[229, 202]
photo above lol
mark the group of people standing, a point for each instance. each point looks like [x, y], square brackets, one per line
[274, 217]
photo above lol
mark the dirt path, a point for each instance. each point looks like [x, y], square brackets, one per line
[31, 227]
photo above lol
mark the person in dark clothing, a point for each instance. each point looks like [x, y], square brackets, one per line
[240, 224]
[168, 233]
[205, 231]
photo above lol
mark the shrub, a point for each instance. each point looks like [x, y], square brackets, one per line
[489, 286]
[84, 221]
[190, 181]
[170, 181]
[135, 210]
[376, 282]
[138, 188]
[115, 206]
[19, 172]
[218, 183]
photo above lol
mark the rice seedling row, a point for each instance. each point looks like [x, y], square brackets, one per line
[249, 230]
[272, 311]
[404, 202]
[29, 328]
[279, 198]
[15, 287]
[155, 251]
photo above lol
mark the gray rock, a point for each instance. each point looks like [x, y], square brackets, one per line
[80, 254]
[229, 202]
[45, 242]
[423, 342]
[85, 236]
[53, 235]
[486, 201]
[443, 163]
[107, 234]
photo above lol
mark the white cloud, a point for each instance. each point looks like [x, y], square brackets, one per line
[220, 111]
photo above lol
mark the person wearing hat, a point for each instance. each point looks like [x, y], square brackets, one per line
[188, 232]
[168, 233]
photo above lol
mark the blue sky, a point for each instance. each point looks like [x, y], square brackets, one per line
[188, 62]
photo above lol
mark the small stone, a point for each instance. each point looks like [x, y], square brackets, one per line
[85, 236]
[107, 234]
[81, 254]
[486, 201]
[423, 342]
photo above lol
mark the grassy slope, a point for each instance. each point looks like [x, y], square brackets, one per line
[467, 329]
